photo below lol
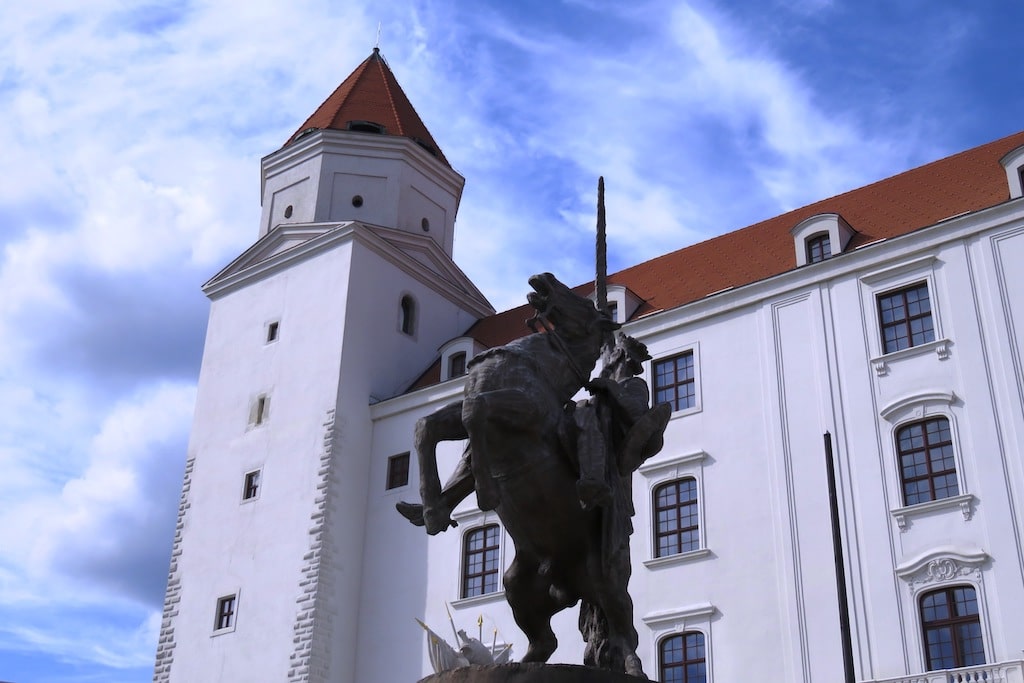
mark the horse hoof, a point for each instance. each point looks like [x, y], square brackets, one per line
[411, 511]
[633, 667]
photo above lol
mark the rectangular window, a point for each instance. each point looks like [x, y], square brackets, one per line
[674, 381]
[613, 310]
[676, 523]
[906, 318]
[457, 364]
[398, 470]
[225, 617]
[927, 465]
[251, 487]
[952, 628]
[819, 248]
[272, 331]
[480, 561]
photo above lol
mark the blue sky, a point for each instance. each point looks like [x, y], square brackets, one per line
[132, 133]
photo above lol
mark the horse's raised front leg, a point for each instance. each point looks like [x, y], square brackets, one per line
[481, 414]
[444, 425]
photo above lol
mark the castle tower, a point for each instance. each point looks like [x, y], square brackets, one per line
[347, 294]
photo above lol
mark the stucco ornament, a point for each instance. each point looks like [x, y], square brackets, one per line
[942, 570]
[556, 472]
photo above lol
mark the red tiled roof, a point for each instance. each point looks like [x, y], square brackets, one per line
[371, 93]
[964, 182]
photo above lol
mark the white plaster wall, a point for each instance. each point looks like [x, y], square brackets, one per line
[257, 547]
[775, 373]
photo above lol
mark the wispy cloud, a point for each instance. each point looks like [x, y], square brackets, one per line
[132, 135]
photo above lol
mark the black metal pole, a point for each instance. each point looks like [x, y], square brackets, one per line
[837, 549]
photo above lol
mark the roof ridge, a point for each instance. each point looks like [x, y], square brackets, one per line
[387, 88]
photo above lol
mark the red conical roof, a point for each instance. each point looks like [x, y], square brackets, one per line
[371, 94]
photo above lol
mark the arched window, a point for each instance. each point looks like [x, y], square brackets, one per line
[952, 628]
[681, 659]
[927, 465]
[480, 557]
[676, 523]
[407, 322]
[819, 248]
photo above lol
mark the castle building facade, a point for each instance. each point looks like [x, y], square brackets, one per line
[875, 331]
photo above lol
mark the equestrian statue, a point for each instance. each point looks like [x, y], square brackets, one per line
[556, 471]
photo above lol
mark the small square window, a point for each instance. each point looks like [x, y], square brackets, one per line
[272, 330]
[225, 616]
[398, 470]
[251, 487]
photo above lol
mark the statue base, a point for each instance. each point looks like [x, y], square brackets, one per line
[533, 672]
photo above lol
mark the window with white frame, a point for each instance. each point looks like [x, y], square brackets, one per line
[682, 658]
[819, 248]
[675, 381]
[951, 628]
[927, 463]
[481, 556]
[905, 317]
[676, 517]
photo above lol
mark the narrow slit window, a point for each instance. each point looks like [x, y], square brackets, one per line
[272, 330]
[260, 410]
[407, 322]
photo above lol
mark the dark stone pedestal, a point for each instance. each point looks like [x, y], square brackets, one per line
[530, 673]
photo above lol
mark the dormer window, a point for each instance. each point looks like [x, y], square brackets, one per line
[819, 248]
[820, 237]
[367, 127]
[457, 364]
[1013, 163]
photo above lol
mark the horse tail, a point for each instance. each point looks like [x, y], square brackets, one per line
[594, 629]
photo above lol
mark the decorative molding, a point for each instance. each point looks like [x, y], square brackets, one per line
[918, 264]
[313, 628]
[661, 465]
[940, 347]
[166, 643]
[678, 558]
[903, 515]
[943, 565]
[677, 618]
[478, 599]
[921, 399]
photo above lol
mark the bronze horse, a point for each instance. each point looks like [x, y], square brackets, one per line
[513, 413]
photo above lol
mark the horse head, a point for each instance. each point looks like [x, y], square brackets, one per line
[575, 317]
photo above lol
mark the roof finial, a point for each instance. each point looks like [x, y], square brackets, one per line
[376, 48]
